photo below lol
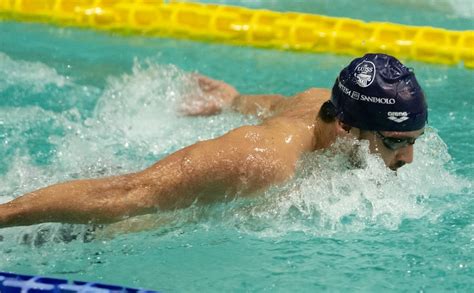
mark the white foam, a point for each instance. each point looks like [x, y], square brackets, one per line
[135, 120]
[23, 175]
[133, 125]
[136, 116]
[32, 75]
[330, 196]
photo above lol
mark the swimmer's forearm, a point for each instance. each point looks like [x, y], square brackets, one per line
[162, 186]
[79, 202]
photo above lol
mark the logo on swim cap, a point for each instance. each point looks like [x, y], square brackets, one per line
[365, 73]
[397, 116]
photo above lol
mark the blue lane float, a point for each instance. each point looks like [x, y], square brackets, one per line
[16, 283]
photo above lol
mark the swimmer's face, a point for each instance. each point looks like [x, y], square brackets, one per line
[395, 148]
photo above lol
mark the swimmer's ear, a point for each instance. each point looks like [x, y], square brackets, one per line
[342, 128]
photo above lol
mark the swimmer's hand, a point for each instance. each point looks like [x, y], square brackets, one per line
[211, 97]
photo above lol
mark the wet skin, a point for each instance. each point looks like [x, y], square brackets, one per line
[242, 162]
[394, 159]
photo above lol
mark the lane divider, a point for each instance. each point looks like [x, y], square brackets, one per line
[17, 283]
[244, 26]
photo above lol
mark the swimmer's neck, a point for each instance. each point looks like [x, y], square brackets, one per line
[324, 134]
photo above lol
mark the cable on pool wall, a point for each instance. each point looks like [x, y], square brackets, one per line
[251, 27]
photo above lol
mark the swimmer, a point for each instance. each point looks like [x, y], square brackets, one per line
[375, 98]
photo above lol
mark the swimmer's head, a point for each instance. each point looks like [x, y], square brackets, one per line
[376, 92]
[379, 99]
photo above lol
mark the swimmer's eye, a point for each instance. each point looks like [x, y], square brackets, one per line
[395, 143]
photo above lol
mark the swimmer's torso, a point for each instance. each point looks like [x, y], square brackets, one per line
[244, 161]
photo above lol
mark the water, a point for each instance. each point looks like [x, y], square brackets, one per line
[449, 14]
[77, 104]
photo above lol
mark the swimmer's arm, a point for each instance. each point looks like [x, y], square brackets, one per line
[104, 200]
[80, 202]
[218, 95]
[206, 171]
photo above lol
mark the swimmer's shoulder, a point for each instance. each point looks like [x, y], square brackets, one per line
[274, 135]
[310, 100]
[314, 94]
[303, 106]
[281, 141]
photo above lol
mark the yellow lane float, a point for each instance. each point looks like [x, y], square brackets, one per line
[243, 26]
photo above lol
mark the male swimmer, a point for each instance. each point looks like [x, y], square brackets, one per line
[375, 98]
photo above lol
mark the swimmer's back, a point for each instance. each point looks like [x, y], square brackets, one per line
[273, 148]
[245, 160]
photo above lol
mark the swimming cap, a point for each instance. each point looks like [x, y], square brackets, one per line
[377, 92]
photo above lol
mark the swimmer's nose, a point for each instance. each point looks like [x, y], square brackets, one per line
[405, 155]
[397, 165]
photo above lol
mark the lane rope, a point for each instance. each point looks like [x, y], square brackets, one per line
[10, 282]
[252, 27]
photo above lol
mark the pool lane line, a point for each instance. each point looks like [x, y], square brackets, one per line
[251, 27]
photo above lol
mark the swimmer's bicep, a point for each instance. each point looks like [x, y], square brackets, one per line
[230, 163]
[211, 169]
[200, 169]
[214, 164]
[241, 160]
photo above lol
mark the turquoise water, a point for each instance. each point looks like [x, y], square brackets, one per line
[77, 104]
[449, 14]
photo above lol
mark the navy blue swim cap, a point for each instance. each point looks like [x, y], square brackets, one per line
[377, 92]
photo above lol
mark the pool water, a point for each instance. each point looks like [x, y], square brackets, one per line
[80, 104]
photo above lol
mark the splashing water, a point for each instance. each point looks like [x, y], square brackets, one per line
[132, 125]
[33, 76]
[333, 227]
[135, 122]
[329, 195]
